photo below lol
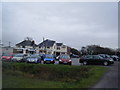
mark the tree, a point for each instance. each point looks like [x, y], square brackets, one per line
[83, 51]
[75, 51]
[96, 49]
[118, 51]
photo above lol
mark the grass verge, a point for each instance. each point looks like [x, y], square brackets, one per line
[22, 75]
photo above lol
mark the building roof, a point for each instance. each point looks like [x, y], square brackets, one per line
[47, 43]
[59, 44]
[26, 43]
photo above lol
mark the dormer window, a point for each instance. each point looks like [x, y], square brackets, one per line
[48, 47]
[58, 48]
[23, 46]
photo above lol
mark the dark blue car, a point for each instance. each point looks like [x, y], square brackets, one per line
[49, 59]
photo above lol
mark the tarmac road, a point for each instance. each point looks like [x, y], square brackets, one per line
[110, 79]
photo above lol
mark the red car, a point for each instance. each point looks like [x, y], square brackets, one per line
[7, 57]
[65, 59]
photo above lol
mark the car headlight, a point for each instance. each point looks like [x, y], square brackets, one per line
[111, 60]
[44, 59]
[60, 60]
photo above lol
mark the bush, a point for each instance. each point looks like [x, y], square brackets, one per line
[49, 72]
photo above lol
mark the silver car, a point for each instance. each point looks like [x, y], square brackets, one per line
[33, 59]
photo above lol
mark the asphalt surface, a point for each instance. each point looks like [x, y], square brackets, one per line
[110, 78]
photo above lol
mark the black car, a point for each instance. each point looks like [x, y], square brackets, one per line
[95, 59]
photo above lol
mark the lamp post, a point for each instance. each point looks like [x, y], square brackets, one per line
[9, 44]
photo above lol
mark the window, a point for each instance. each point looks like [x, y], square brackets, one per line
[48, 47]
[58, 48]
[23, 46]
[89, 57]
[97, 57]
[63, 46]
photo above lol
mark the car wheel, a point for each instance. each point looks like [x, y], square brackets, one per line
[105, 63]
[85, 63]
[38, 61]
[70, 63]
[44, 62]
[26, 61]
[60, 63]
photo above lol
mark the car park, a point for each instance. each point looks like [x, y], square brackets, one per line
[18, 57]
[65, 59]
[35, 58]
[49, 58]
[95, 59]
[7, 57]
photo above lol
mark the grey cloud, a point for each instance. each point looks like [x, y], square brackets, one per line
[75, 24]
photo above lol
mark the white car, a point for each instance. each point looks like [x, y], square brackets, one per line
[18, 57]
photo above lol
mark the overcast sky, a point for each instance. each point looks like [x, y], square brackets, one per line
[74, 24]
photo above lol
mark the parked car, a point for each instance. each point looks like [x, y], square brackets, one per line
[35, 58]
[25, 57]
[7, 57]
[105, 56]
[65, 59]
[49, 59]
[95, 59]
[115, 58]
[18, 57]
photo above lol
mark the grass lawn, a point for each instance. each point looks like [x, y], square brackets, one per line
[22, 75]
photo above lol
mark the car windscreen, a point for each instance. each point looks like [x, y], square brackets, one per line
[65, 57]
[97, 57]
[18, 55]
[33, 56]
[107, 56]
[48, 56]
[102, 56]
[7, 55]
